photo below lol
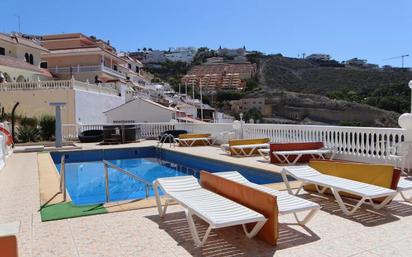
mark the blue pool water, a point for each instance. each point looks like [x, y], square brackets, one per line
[85, 172]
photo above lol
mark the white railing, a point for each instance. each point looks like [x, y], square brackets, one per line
[70, 132]
[105, 88]
[81, 68]
[351, 143]
[147, 130]
[74, 69]
[36, 85]
[153, 130]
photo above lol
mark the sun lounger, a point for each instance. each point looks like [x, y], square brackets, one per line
[287, 204]
[217, 211]
[405, 184]
[245, 147]
[283, 156]
[265, 153]
[241, 149]
[191, 141]
[367, 192]
[194, 139]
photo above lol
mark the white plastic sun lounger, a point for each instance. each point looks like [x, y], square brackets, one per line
[287, 204]
[191, 141]
[367, 192]
[240, 149]
[265, 153]
[405, 184]
[283, 156]
[216, 210]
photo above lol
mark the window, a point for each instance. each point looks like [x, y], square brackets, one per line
[2, 51]
[115, 67]
[137, 69]
[26, 57]
[43, 65]
[31, 59]
[130, 66]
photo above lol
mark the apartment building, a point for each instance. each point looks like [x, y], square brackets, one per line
[133, 70]
[20, 59]
[214, 75]
[246, 104]
[82, 57]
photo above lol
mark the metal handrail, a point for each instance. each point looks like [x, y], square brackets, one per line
[133, 176]
[164, 137]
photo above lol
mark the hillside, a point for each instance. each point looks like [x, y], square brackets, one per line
[301, 75]
[382, 88]
[301, 108]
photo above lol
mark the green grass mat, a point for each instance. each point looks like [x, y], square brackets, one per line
[68, 210]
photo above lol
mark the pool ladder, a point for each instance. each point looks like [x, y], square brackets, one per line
[163, 138]
[131, 175]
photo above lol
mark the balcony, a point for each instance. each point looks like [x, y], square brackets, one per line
[80, 69]
[106, 88]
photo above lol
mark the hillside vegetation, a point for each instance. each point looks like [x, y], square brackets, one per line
[383, 88]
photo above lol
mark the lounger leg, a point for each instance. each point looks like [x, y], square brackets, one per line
[278, 158]
[296, 159]
[193, 230]
[307, 218]
[285, 179]
[332, 155]
[383, 203]
[320, 191]
[234, 151]
[255, 229]
[342, 204]
[407, 199]
[158, 201]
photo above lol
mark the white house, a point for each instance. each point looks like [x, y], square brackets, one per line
[142, 110]
[181, 54]
[319, 57]
[20, 59]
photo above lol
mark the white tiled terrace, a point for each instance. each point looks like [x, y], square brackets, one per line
[142, 233]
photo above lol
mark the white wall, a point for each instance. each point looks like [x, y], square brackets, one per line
[90, 106]
[139, 111]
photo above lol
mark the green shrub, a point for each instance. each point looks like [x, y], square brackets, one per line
[27, 134]
[47, 127]
[28, 122]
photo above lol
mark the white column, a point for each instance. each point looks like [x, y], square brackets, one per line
[58, 128]
[405, 122]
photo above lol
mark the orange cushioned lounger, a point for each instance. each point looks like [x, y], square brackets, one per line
[194, 136]
[293, 147]
[254, 199]
[382, 175]
[245, 142]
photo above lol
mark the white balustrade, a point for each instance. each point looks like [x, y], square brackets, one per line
[70, 132]
[105, 88]
[351, 143]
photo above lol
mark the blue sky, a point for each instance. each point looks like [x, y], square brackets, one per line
[371, 29]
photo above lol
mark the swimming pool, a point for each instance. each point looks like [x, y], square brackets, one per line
[85, 180]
